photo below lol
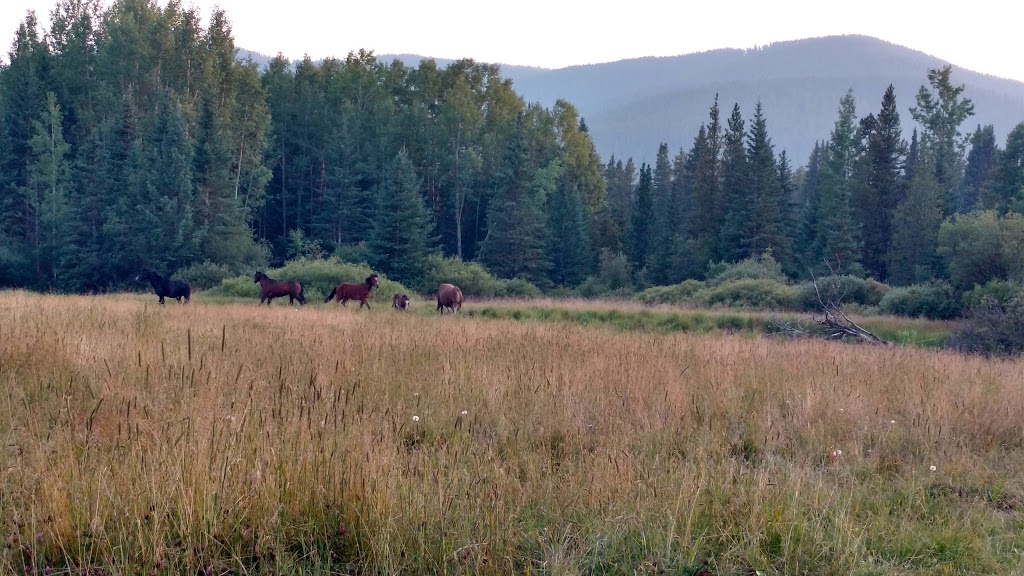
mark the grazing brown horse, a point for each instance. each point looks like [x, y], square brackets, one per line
[400, 302]
[449, 296]
[344, 292]
[270, 289]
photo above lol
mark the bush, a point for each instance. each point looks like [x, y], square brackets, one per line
[318, 278]
[935, 300]
[992, 328]
[998, 291]
[841, 290]
[763, 268]
[472, 278]
[759, 293]
[351, 252]
[676, 294]
[517, 288]
[204, 276]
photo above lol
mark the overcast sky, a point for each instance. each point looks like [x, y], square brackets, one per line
[980, 35]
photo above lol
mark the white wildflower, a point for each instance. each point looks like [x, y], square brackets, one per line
[415, 418]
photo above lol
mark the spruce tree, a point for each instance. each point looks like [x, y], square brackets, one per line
[1007, 187]
[766, 228]
[569, 240]
[516, 242]
[916, 223]
[736, 190]
[400, 241]
[880, 188]
[838, 232]
[664, 226]
[49, 187]
[642, 220]
[981, 163]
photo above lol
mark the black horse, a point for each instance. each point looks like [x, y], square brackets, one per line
[176, 289]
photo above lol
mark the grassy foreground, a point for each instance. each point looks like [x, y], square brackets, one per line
[235, 439]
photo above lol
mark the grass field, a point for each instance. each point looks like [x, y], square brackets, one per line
[235, 439]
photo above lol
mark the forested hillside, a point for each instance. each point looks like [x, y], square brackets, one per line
[135, 137]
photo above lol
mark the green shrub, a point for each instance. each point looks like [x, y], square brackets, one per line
[764, 267]
[935, 300]
[517, 288]
[759, 293]
[677, 294]
[998, 291]
[472, 278]
[841, 290]
[204, 276]
[351, 252]
[992, 328]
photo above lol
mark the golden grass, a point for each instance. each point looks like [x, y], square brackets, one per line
[232, 438]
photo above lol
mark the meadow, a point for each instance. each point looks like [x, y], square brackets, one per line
[228, 438]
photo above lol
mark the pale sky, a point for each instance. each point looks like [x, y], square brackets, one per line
[981, 35]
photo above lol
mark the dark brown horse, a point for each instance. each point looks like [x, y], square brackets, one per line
[400, 302]
[270, 289]
[449, 296]
[344, 292]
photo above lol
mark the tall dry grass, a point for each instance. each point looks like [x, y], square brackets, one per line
[212, 439]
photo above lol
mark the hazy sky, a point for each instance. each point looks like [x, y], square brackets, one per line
[981, 35]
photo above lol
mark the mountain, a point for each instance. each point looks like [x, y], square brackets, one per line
[631, 106]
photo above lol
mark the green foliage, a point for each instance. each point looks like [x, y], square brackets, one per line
[934, 300]
[400, 241]
[471, 277]
[351, 252]
[204, 275]
[994, 291]
[677, 294]
[756, 293]
[614, 277]
[841, 290]
[763, 267]
[972, 247]
[992, 328]
[517, 288]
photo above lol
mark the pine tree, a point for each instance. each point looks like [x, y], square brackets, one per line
[642, 219]
[916, 223]
[809, 209]
[880, 188]
[516, 242]
[981, 163]
[401, 241]
[1007, 187]
[49, 186]
[664, 226]
[569, 240]
[766, 228]
[838, 232]
[736, 190]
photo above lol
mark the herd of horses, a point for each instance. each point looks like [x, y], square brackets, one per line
[449, 296]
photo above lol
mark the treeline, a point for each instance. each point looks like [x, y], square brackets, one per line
[132, 137]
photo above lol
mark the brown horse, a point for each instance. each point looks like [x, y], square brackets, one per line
[270, 289]
[449, 296]
[400, 302]
[344, 292]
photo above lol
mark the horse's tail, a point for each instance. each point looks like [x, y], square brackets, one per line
[302, 294]
[331, 295]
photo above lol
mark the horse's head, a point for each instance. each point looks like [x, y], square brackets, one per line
[372, 281]
[146, 274]
[259, 275]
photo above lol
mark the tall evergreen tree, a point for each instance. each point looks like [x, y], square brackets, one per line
[916, 223]
[809, 208]
[641, 230]
[981, 163]
[401, 241]
[516, 241]
[49, 187]
[766, 228]
[664, 226]
[736, 190]
[880, 188]
[569, 242]
[838, 232]
[1007, 188]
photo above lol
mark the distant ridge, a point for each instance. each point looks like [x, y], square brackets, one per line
[633, 105]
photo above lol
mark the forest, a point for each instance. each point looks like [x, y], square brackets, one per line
[132, 137]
